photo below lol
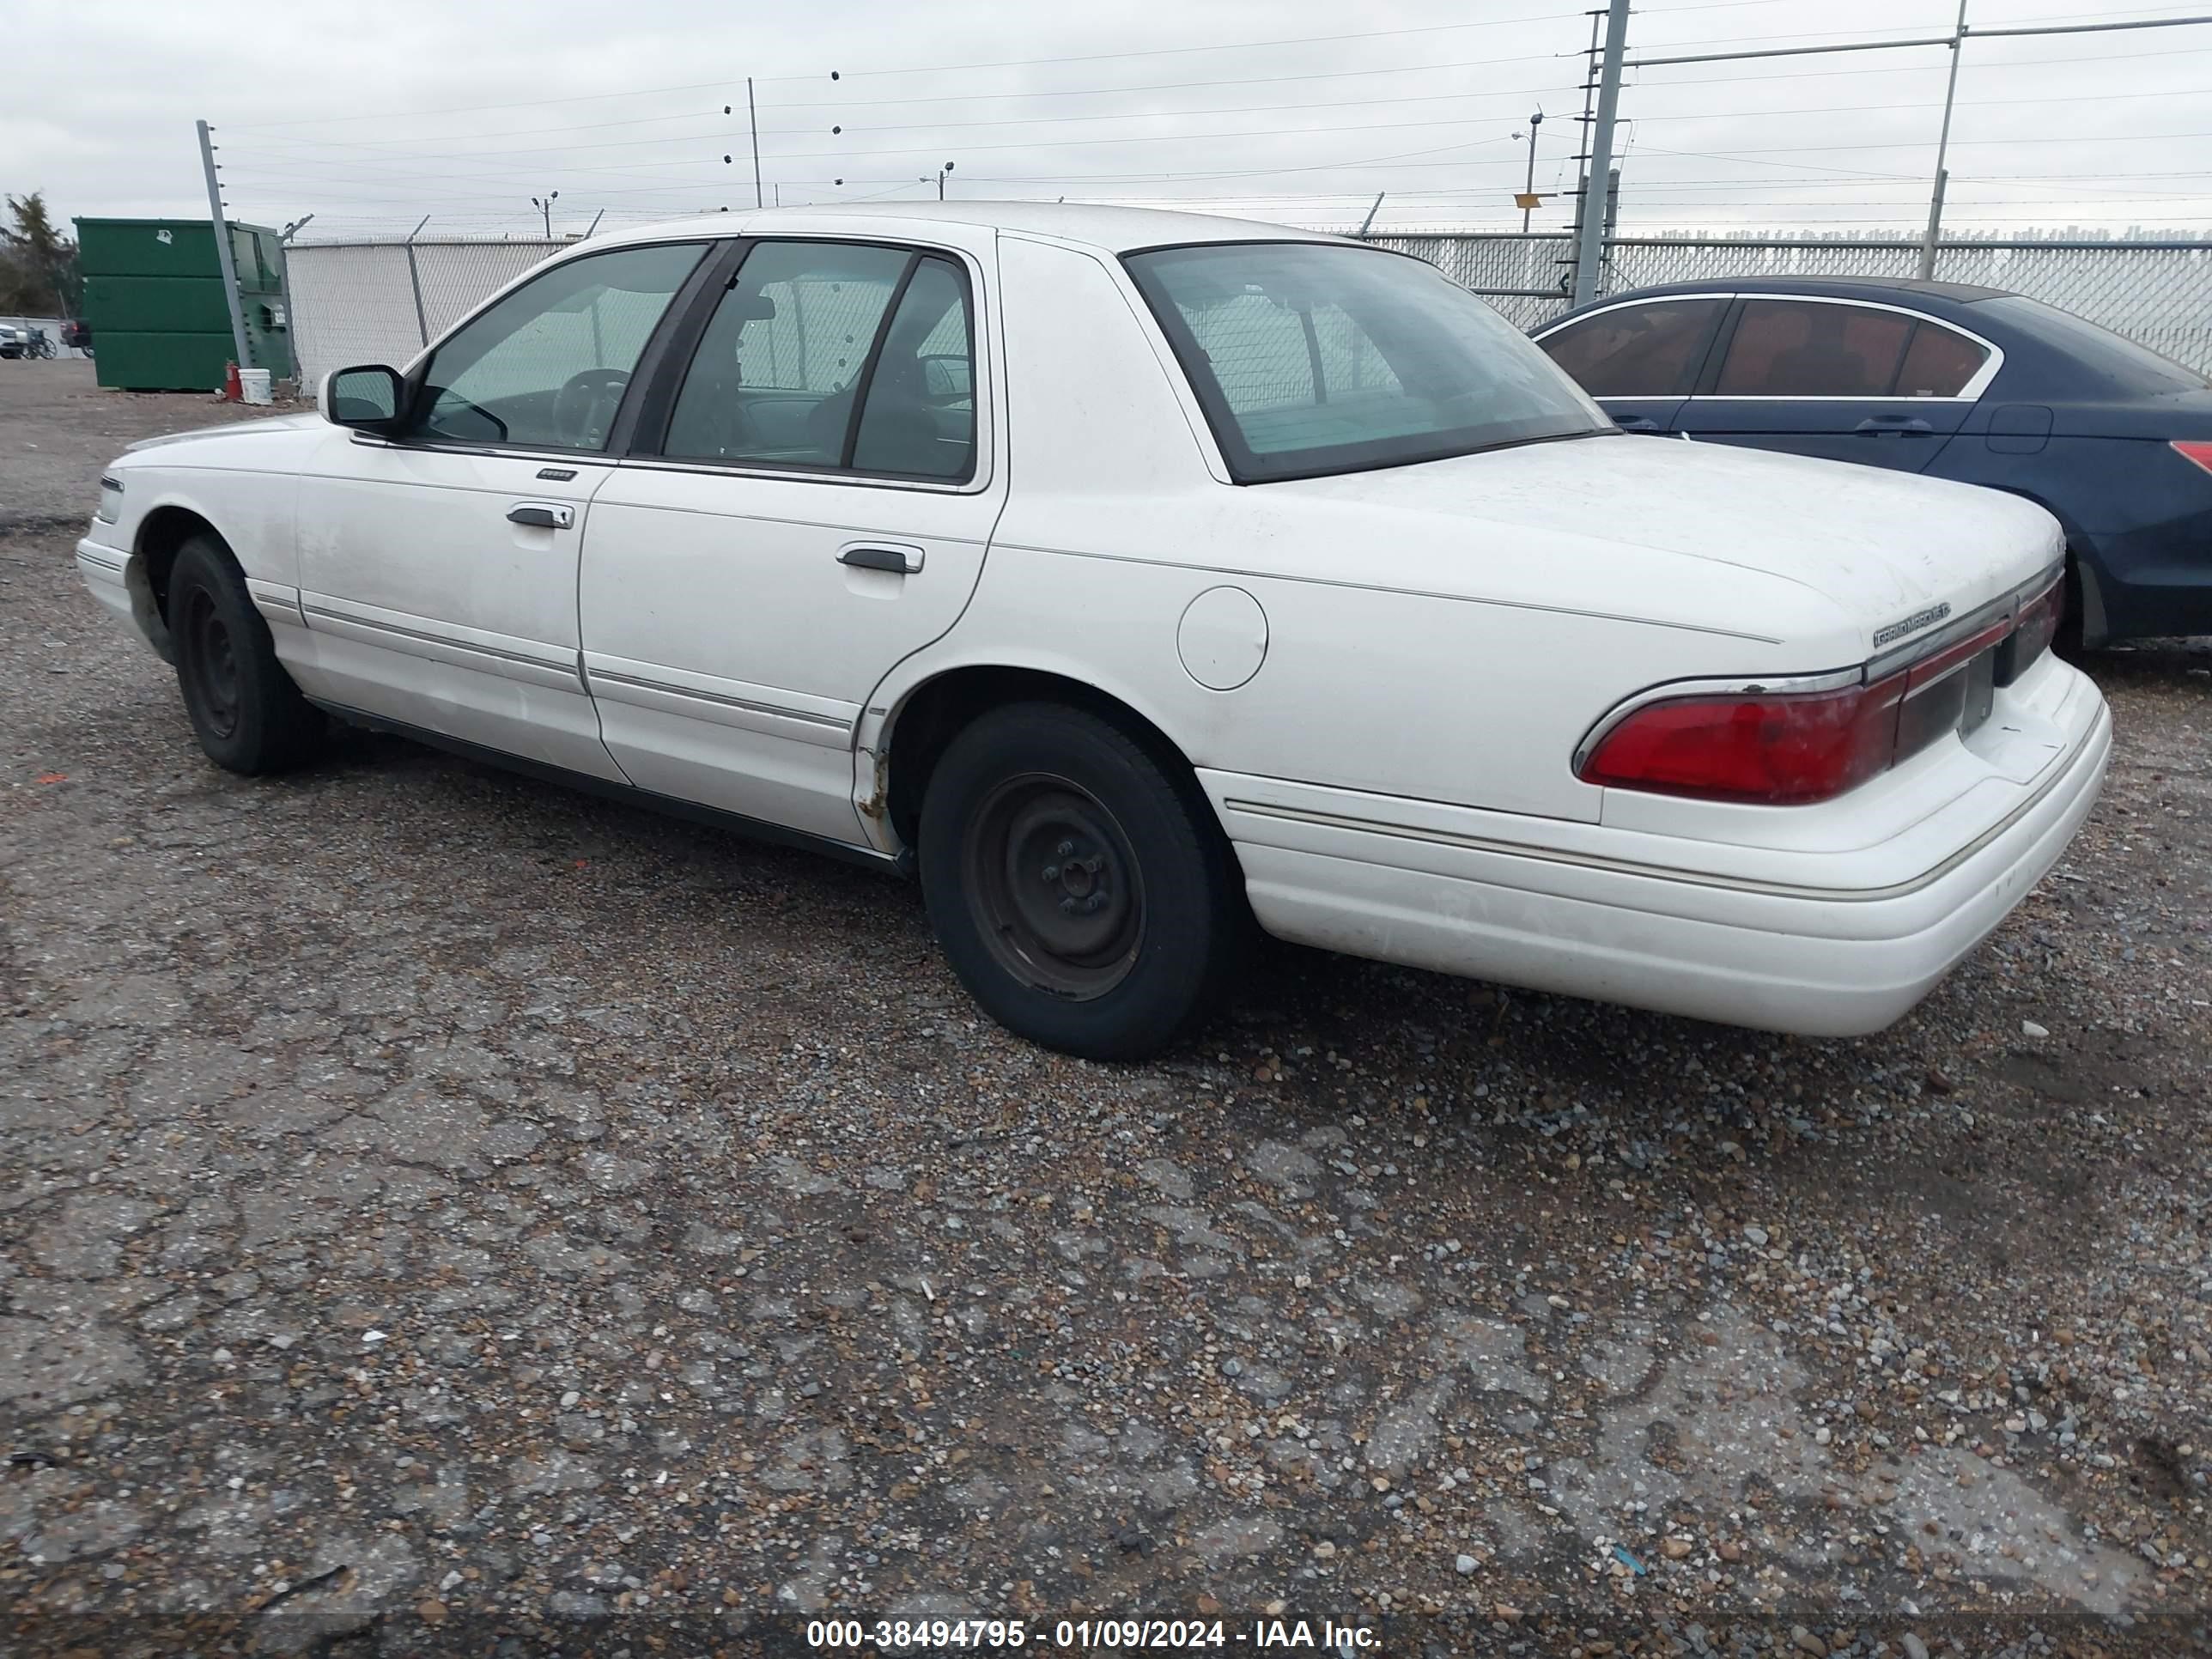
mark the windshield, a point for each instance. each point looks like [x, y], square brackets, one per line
[2128, 368]
[1310, 359]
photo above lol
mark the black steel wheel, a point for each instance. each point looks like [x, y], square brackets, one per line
[244, 709]
[206, 653]
[1054, 889]
[1077, 880]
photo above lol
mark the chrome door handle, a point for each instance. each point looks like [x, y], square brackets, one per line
[899, 561]
[541, 515]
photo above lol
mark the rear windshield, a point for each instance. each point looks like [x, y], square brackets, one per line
[1311, 359]
[2124, 366]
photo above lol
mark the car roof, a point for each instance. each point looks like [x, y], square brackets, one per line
[1115, 229]
[1834, 288]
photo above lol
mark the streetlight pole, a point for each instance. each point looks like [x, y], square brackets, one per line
[925, 178]
[1529, 190]
[545, 207]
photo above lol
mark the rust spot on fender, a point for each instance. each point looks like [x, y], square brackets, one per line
[872, 808]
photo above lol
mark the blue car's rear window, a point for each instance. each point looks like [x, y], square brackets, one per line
[2125, 367]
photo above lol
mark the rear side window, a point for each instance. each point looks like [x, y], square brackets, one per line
[919, 420]
[1939, 363]
[838, 355]
[776, 372]
[1313, 358]
[1806, 348]
[1635, 351]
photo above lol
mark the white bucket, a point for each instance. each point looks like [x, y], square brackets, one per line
[253, 385]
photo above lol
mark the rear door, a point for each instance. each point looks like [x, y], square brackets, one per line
[1879, 385]
[808, 501]
[1641, 358]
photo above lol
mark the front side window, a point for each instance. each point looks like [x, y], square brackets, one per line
[1311, 359]
[545, 367]
[834, 355]
[1809, 348]
[1635, 351]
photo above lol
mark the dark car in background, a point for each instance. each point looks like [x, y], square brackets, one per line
[1960, 382]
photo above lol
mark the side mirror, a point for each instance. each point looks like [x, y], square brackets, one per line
[368, 397]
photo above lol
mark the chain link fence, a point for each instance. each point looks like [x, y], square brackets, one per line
[368, 302]
[2157, 294]
[382, 302]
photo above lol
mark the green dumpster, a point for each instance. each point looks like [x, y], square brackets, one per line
[153, 293]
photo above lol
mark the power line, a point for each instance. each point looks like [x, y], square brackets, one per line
[1172, 51]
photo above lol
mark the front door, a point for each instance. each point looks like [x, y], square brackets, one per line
[1870, 384]
[438, 566]
[814, 506]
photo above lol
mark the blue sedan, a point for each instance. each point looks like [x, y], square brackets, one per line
[1958, 382]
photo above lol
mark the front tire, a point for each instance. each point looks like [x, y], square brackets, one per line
[248, 715]
[1072, 883]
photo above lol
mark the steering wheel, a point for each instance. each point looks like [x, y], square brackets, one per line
[584, 406]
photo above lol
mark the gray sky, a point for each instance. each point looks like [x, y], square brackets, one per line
[371, 116]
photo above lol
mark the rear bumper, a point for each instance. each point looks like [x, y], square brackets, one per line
[1775, 956]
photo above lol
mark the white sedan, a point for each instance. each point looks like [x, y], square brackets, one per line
[1129, 576]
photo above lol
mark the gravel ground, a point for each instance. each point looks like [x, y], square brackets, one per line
[445, 1213]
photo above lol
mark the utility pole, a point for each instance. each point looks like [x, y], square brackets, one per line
[1582, 155]
[1591, 242]
[1528, 189]
[753, 115]
[1373, 208]
[1942, 145]
[224, 257]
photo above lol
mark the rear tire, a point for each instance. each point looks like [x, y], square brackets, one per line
[1073, 883]
[248, 715]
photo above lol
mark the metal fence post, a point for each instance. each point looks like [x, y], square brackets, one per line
[415, 282]
[1942, 146]
[225, 258]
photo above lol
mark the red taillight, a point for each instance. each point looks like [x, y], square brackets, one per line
[1781, 750]
[2196, 449]
[1789, 748]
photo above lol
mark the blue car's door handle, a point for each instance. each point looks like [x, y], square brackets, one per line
[1895, 426]
[1636, 424]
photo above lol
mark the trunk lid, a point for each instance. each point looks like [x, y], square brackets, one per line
[2185, 415]
[1884, 547]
